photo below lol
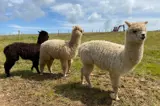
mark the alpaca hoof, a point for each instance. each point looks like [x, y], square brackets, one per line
[82, 82]
[114, 97]
[117, 99]
[65, 75]
[89, 86]
[69, 71]
[50, 71]
[8, 75]
[41, 73]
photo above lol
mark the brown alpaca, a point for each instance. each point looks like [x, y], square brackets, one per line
[27, 51]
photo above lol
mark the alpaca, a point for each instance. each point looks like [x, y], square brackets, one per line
[60, 49]
[117, 59]
[25, 51]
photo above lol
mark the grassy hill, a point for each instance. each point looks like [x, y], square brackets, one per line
[138, 88]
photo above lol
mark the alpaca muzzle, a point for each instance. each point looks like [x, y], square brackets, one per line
[143, 36]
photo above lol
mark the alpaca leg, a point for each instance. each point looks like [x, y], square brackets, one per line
[69, 65]
[8, 65]
[42, 65]
[115, 84]
[64, 64]
[49, 65]
[87, 69]
[41, 68]
[32, 67]
[43, 60]
[82, 76]
[37, 69]
[35, 64]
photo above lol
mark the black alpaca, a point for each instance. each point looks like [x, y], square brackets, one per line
[28, 51]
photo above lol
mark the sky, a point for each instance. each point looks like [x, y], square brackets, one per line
[30, 16]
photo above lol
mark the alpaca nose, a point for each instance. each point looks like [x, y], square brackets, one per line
[142, 36]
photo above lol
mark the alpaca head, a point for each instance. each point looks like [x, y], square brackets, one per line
[77, 30]
[136, 32]
[43, 36]
[77, 33]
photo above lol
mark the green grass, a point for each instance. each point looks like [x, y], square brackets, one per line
[149, 65]
[52, 89]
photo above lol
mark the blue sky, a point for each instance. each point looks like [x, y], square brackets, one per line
[29, 16]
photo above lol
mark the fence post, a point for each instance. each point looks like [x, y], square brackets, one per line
[58, 32]
[18, 34]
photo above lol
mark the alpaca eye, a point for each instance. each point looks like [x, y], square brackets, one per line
[134, 31]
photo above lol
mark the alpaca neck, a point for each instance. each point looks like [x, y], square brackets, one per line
[133, 53]
[75, 40]
[39, 41]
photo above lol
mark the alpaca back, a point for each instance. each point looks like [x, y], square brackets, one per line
[29, 50]
[56, 49]
[101, 53]
[24, 50]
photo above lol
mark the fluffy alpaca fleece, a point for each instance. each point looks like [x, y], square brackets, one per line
[60, 49]
[25, 51]
[117, 59]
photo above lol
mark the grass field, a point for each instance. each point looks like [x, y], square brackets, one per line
[26, 88]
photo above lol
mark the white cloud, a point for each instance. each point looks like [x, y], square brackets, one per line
[49, 1]
[148, 8]
[73, 12]
[16, 1]
[33, 29]
[24, 28]
[91, 14]
[15, 26]
[24, 9]
[28, 11]
[94, 17]
[43, 2]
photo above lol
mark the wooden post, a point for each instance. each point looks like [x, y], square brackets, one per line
[58, 32]
[18, 34]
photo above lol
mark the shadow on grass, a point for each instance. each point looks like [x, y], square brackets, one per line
[28, 74]
[88, 96]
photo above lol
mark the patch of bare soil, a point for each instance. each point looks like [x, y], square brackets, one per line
[134, 91]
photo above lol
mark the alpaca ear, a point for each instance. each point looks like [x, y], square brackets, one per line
[128, 23]
[73, 27]
[146, 22]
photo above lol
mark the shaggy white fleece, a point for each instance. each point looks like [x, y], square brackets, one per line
[60, 49]
[115, 58]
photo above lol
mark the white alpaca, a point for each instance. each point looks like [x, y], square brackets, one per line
[60, 49]
[115, 58]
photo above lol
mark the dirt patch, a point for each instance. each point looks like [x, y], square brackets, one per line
[134, 91]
